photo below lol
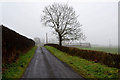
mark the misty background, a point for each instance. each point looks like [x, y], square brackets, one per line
[99, 20]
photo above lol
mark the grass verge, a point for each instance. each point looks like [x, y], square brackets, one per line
[16, 69]
[85, 68]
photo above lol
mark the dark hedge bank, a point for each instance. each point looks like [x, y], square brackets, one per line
[14, 44]
[111, 60]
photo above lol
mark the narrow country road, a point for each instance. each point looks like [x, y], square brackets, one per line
[45, 65]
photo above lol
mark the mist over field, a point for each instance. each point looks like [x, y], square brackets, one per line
[99, 20]
[59, 39]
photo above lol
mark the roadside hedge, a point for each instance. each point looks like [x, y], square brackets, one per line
[111, 60]
[13, 44]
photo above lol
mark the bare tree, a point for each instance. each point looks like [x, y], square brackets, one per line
[63, 20]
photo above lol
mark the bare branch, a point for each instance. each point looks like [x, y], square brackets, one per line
[63, 19]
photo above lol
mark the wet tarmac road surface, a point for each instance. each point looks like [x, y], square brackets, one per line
[45, 65]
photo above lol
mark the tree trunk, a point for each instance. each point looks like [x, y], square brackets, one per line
[60, 39]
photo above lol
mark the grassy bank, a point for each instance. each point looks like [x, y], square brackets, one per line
[104, 49]
[87, 69]
[16, 69]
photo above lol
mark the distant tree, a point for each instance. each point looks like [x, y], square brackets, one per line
[63, 20]
[37, 41]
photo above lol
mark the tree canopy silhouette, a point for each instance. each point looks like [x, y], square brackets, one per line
[62, 18]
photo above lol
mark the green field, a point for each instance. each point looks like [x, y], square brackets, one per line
[16, 69]
[88, 69]
[104, 49]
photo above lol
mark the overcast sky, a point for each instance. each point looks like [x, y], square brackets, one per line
[99, 19]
